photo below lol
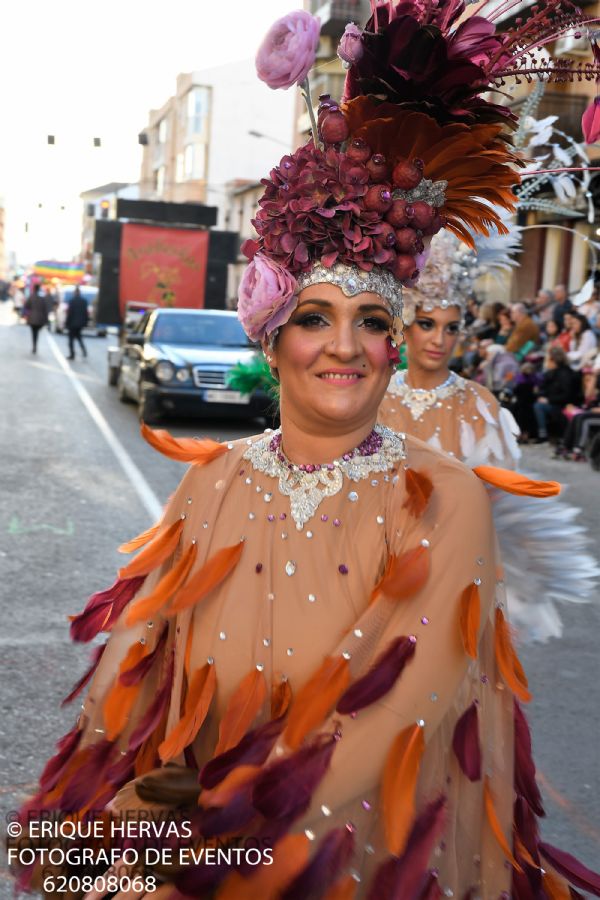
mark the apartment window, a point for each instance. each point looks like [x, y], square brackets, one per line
[162, 131]
[179, 176]
[197, 110]
[159, 181]
[194, 162]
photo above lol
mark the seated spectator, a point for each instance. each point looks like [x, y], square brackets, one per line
[555, 392]
[583, 344]
[525, 335]
[497, 369]
[563, 305]
[505, 326]
[555, 337]
[485, 326]
[591, 308]
[581, 417]
[543, 307]
[524, 390]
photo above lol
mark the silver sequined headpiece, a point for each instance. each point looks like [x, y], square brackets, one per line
[353, 281]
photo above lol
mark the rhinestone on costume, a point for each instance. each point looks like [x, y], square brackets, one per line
[365, 805]
[222, 636]
[266, 642]
[324, 518]
[210, 660]
[205, 524]
[219, 485]
[290, 567]
[424, 543]
[270, 517]
[311, 598]
[380, 520]
[189, 499]
[284, 535]
[358, 633]
[343, 569]
[370, 849]
[248, 480]
[251, 516]
[230, 446]
[325, 810]
[351, 827]
[480, 561]
[259, 667]
[142, 640]
[424, 620]
[309, 534]
[270, 596]
[433, 697]
[183, 516]
[267, 498]
[353, 496]
[258, 489]
[337, 522]
[477, 581]
[346, 654]
[290, 651]
[149, 624]
[309, 834]
[421, 723]
[374, 482]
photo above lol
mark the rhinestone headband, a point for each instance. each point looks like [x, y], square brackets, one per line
[353, 281]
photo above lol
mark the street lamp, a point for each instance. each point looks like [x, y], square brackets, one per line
[259, 134]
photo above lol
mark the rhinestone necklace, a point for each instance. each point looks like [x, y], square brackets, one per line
[419, 400]
[308, 484]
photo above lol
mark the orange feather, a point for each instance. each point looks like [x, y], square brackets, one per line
[316, 698]
[345, 889]
[494, 823]
[144, 538]
[404, 575]
[224, 792]
[121, 697]
[508, 662]
[524, 853]
[190, 450]
[166, 588]
[513, 483]
[281, 697]
[197, 703]
[399, 785]
[147, 756]
[290, 856]
[213, 572]
[470, 617]
[243, 707]
[418, 489]
[554, 886]
[155, 552]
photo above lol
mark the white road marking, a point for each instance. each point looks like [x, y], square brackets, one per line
[147, 496]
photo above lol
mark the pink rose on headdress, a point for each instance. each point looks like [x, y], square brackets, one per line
[288, 51]
[266, 298]
[590, 122]
[350, 48]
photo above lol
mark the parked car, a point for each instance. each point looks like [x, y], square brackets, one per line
[176, 361]
[133, 314]
[90, 295]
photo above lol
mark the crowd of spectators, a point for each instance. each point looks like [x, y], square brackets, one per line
[541, 358]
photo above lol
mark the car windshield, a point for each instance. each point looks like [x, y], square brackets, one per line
[222, 331]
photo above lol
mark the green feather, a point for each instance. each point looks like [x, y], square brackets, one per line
[255, 375]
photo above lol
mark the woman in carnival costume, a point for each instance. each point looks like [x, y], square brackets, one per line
[543, 549]
[309, 651]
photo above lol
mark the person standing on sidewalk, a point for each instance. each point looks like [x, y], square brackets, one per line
[77, 319]
[36, 313]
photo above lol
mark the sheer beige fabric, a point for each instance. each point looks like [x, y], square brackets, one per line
[287, 618]
[461, 418]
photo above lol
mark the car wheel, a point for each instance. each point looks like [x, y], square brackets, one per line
[148, 410]
[123, 395]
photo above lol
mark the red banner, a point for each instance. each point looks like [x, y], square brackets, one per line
[164, 266]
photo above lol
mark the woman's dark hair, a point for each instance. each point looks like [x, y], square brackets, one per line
[556, 328]
[582, 321]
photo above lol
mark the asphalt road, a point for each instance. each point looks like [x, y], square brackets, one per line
[65, 505]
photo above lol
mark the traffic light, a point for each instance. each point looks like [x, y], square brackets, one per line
[104, 208]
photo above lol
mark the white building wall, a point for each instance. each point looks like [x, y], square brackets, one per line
[240, 103]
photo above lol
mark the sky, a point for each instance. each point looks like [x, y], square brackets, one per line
[82, 70]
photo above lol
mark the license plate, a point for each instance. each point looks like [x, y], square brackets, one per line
[226, 397]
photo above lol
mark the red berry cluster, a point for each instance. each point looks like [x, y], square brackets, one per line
[339, 206]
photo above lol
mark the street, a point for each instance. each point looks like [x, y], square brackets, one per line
[69, 466]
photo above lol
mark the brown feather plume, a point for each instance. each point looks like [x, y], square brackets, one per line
[243, 707]
[418, 489]
[399, 785]
[197, 703]
[166, 588]
[316, 698]
[213, 572]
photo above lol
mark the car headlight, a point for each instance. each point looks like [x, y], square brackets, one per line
[183, 375]
[164, 371]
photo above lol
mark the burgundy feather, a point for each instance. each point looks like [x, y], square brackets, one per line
[198, 880]
[431, 887]
[232, 818]
[154, 713]
[119, 773]
[525, 783]
[465, 743]
[526, 829]
[138, 672]
[285, 788]
[333, 854]
[55, 766]
[83, 785]
[252, 750]
[380, 678]
[571, 869]
[400, 878]
[96, 657]
[104, 608]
